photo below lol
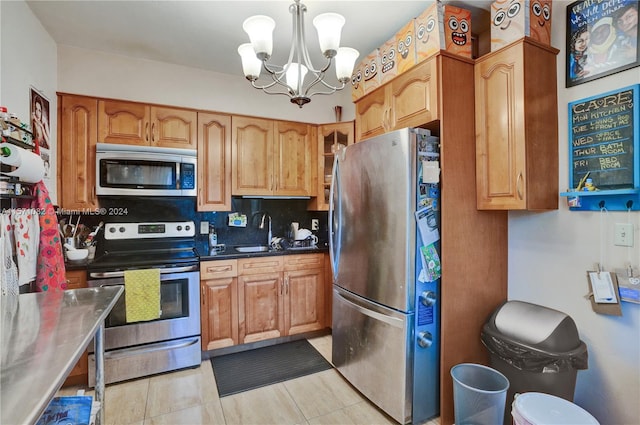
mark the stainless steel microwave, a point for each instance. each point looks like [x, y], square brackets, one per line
[125, 170]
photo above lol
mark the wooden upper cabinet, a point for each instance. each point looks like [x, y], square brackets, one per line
[409, 100]
[517, 128]
[252, 153]
[295, 159]
[331, 138]
[77, 151]
[372, 114]
[134, 123]
[214, 162]
[413, 96]
[272, 157]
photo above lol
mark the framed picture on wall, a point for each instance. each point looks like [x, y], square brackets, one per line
[602, 39]
[40, 119]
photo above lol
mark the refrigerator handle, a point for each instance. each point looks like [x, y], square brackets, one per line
[334, 218]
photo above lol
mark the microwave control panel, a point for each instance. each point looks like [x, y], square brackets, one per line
[188, 176]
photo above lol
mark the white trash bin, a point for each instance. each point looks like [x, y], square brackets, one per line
[546, 409]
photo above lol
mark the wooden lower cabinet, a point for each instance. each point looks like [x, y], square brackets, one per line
[219, 304]
[304, 292]
[260, 298]
[79, 374]
[261, 307]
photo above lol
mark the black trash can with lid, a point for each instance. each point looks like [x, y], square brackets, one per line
[537, 348]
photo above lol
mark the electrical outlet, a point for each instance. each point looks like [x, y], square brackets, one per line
[315, 224]
[204, 227]
[623, 234]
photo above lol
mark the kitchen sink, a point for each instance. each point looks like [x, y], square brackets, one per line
[256, 248]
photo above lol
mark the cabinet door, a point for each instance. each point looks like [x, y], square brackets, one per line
[77, 152]
[123, 122]
[331, 138]
[328, 291]
[413, 97]
[219, 303]
[295, 156]
[500, 153]
[173, 128]
[372, 115]
[260, 307]
[214, 162]
[219, 313]
[79, 374]
[252, 156]
[304, 300]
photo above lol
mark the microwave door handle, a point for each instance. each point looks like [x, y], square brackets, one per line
[162, 271]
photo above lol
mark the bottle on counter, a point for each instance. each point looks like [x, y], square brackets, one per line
[213, 237]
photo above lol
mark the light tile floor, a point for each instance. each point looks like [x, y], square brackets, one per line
[190, 396]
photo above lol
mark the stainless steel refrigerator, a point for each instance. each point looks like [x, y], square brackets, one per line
[384, 243]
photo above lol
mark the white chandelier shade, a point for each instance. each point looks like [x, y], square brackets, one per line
[298, 78]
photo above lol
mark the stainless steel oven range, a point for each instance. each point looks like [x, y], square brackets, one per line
[137, 349]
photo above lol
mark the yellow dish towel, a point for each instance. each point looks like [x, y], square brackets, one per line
[142, 294]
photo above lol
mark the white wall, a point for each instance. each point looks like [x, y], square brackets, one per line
[29, 59]
[549, 254]
[89, 72]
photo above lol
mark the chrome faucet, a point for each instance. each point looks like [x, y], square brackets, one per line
[266, 217]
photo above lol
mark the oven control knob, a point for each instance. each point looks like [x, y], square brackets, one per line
[122, 229]
[179, 228]
[187, 228]
[112, 229]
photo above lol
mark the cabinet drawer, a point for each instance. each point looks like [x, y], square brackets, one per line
[303, 261]
[76, 279]
[260, 265]
[218, 269]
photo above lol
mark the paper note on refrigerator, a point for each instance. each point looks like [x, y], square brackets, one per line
[430, 262]
[428, 225]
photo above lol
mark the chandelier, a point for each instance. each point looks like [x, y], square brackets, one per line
[297, 79]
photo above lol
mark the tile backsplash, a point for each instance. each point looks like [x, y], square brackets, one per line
[145, 209]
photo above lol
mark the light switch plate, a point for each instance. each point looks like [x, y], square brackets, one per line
[623, 234]
[204, 227]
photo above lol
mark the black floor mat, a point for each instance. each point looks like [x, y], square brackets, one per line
[252, 369]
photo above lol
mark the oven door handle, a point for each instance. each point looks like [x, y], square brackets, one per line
[162, 271]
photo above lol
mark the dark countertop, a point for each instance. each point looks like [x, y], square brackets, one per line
[230, 253]
[77, 265]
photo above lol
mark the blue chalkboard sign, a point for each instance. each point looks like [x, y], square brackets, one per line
[604, 144]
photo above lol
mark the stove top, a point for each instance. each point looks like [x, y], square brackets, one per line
[152, 258]
[130, 246]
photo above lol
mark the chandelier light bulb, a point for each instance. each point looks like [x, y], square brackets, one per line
[293, 72]
[250, 63]
[345, 61]
[329, 27]
[260, 31]
[289, 79]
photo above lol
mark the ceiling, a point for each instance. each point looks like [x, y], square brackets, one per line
[206, 34]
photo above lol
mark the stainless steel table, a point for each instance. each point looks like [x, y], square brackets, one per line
[43, 336]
